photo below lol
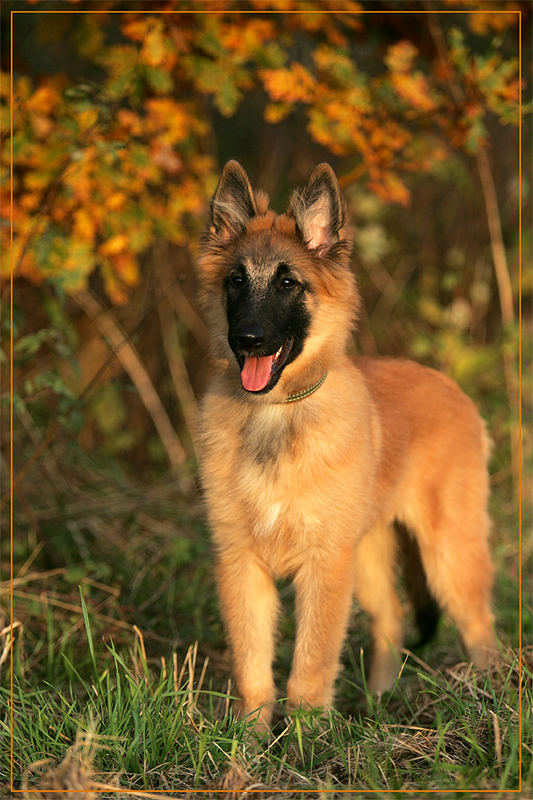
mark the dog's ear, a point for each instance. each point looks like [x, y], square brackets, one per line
[319, 210]
[233, 203]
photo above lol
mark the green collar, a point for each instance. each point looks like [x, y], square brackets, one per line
[292, 398]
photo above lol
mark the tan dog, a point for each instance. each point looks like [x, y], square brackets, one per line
[313, 462]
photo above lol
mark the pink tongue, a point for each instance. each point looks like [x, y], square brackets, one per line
[256, 372]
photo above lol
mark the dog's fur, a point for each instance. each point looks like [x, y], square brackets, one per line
[318, 488]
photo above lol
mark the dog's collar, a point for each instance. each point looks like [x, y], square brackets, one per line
[293, 398]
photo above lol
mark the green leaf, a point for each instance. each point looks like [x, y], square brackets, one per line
[476, 135]
[159, 80]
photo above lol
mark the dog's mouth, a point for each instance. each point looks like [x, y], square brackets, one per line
[259, 373]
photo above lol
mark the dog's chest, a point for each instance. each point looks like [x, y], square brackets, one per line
[267, 438]
[274, 470]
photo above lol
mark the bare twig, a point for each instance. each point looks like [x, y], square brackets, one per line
[190, 317]
[176, 364]
[31, 597]
[130, 360]
[501, 269]
[7, 631]
[142, 793]
[32, 576]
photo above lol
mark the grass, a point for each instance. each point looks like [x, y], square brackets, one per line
[120, 670]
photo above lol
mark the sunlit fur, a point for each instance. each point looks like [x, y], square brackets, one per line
[312, 489]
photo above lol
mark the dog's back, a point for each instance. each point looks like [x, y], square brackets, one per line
[432, 485]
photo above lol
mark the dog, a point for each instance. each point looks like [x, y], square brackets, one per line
[315, 464]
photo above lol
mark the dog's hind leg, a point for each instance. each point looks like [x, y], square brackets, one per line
[375, 561]
[426, 609]
[456, 558]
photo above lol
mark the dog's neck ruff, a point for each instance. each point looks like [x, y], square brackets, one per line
[293, 398]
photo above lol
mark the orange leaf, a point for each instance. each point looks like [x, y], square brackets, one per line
[41, 125]
[135, 29]
[391, 189]
[127, 268]
[289, 85]
[130, 121]
[44, 100]
[414, 89]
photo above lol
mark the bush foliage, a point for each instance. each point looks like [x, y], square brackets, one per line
[104, 166]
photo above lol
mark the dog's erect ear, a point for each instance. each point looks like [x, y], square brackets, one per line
[319, 210]
[233, 203]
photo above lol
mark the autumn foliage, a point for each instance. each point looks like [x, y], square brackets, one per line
[104, 167]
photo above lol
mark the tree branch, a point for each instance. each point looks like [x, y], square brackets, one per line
[129, 358]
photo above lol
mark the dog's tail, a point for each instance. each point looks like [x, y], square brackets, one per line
[426, 608]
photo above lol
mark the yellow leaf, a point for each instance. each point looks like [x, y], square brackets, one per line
[5, 84]
[115, 201]
[482, 23]
[87, 118]
[164, 114]
[153, 51]
[275, 112]
[400, 56]
[23, 88]
[84, 225]
[114, 245]
[36, 180]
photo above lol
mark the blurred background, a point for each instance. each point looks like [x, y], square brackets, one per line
[121, 123]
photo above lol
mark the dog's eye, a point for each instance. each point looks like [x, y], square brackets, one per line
[287, 283]
[236, 279]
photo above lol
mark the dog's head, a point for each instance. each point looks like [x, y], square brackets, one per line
[283, 282]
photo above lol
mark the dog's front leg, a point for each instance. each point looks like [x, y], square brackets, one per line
[249, 604]
[323, 599]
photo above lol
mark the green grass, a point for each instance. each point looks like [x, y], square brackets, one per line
[154, 699]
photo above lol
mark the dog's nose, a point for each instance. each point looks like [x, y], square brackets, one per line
[251, 338]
